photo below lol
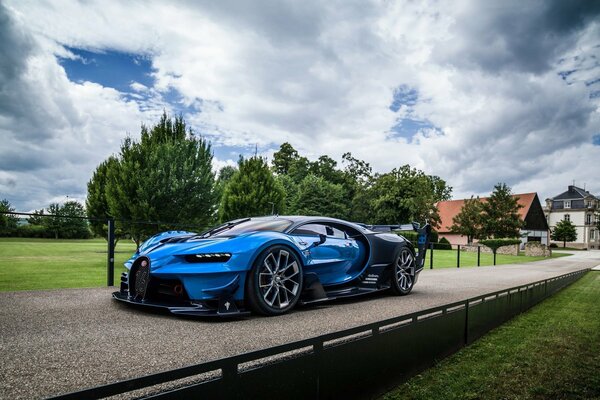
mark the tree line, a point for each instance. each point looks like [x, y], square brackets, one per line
[57, 221]
[167, 176]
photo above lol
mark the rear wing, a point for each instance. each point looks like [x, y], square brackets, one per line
[423, 235]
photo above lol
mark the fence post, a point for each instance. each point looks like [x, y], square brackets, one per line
[494, 257]
[458, 256]
[478, 255]
[110, 261]
[431, 256]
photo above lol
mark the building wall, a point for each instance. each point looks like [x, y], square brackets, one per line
[578, 218]
[454, 238]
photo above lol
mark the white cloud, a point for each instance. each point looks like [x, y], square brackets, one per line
[317, 74]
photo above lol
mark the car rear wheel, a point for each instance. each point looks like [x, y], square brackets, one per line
[275, 281]
[403, 277]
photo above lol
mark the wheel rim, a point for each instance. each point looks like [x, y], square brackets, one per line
[404, 270]
[279, 279]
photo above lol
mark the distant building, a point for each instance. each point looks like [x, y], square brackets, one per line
[535, 229]
[578, 206]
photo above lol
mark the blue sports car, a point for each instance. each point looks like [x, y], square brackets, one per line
[270, 264]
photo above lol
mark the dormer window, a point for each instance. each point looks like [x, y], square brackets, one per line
[567, 203]
[567, 217]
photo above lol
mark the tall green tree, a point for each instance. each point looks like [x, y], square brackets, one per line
[500, 214]
[37, 218]
[284, 158]
[251, 191]
[96, 203]
[290, 190]
[468, 221]
[77, 226]
[326, 168]
[223, 177]
[58, 223]
[564, 231]
[8, 222]
[54, 223]
[166, 176]
[317, 196]
[407, 194]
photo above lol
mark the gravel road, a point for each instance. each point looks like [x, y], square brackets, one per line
[58, 341]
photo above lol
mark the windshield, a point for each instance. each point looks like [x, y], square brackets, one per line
[247, 225]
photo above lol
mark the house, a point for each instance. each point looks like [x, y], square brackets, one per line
[580, 207]
[536, 226]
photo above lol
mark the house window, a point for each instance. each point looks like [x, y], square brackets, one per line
[592, 234]
[567, 217]
[567, 203]
[588, 219]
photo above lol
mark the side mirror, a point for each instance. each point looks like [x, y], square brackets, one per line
[322, 239]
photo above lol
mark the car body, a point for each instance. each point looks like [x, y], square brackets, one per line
[268, 265]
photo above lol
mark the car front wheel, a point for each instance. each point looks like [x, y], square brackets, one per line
[275, 281]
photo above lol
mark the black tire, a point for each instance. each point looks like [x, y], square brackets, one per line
[403, 272]
[275, 281]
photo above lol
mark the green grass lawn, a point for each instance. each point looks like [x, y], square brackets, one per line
[550, 352]
[30, 264]
[447, 259]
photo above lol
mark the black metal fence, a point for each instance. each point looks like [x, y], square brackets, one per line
[355, 363]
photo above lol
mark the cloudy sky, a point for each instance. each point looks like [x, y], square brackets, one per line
[473, 91]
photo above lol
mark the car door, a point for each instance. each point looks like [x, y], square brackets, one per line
[331, 260]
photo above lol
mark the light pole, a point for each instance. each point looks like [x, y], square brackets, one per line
[272, 207]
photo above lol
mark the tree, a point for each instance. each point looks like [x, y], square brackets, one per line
[60, 226]
[468, 221]
[358, 180]
[223, 178]
[564, 231]
[166, 176]
[325, 167]
[290, 189]
[96, 202]
[407, 194]
[37, 218]
[251, 191]
[317, 196]
[54, 223]
[8, 222]
[77, 226]
[359, 170]
[284, 159]
[500, 214]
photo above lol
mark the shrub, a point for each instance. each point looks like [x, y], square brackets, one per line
[443, 244]
[553, 245]
[411, 236]
[33, 231]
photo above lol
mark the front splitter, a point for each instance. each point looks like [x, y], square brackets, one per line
[227, 308]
